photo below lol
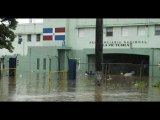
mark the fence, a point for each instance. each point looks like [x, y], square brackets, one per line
[115, 68]
[62, 75]
[13, 72]
[107, 69]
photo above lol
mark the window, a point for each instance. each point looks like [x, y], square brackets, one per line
[109, 31]
[29, 37]
[157, 30]
[38, 37]
[44, 64]
[124, 31]
[81, 32]
[141, 30]
[38, 63]
[19, 39]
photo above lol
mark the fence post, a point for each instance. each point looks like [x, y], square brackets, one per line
[141, 72]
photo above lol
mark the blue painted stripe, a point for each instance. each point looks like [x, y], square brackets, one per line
[59, 37]
[47, 30]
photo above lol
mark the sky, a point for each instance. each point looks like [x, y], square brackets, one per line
[25, 20]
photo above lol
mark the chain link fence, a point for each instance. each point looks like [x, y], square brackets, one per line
[84, 69]
[114, 69]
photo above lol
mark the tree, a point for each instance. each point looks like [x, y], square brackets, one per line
[7, 25]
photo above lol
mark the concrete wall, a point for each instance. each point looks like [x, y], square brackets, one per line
[29, 63]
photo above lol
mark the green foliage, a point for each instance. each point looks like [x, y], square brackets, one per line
[157, 84]
[138, 84]
[7, 25]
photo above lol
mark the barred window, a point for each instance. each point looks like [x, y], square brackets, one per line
[29, 37]
[19, 39]
[38, 37]
[157, 30]
[109, 31]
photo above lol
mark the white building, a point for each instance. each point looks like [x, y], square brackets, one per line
[134, 41]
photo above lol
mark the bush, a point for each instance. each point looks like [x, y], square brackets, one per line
[157, 84]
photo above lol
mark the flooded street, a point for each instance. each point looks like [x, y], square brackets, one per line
[41, 87]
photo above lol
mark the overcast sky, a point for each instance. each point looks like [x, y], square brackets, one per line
[25, 20]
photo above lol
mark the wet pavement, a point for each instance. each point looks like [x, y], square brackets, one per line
[41, 87]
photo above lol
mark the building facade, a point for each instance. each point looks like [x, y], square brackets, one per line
[47, 46]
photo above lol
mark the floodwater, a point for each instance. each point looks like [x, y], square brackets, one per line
[41, 87]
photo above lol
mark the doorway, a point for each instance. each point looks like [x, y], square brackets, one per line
[12, 66]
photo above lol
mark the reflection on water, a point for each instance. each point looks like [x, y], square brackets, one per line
[41, 87]
[11, 87]
[71, 85]
[98, 93]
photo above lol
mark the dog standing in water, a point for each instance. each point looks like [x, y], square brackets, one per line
[129, 74]
[99, 78]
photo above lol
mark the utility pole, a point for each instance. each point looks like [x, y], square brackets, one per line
[99, 49]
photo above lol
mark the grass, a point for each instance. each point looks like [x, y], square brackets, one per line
[139, 84]
[157, 84]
